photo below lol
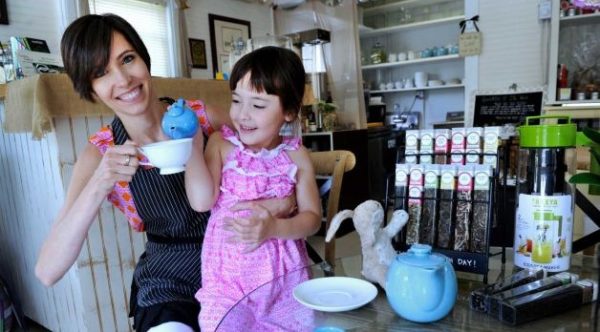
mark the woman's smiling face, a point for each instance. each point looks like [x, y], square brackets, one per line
[257, 116]
[124, 85]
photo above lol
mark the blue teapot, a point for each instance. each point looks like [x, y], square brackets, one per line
[179, 121]
[421, 286]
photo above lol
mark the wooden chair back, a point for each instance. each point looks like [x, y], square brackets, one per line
[332, 165]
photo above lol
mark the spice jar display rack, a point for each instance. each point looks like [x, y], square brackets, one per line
[467, 260]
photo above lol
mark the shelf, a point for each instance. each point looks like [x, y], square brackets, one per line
[365, 31]
[575, 112]
[587, 103]
[317, 133]
[412, 62]
[579, 20]
[377, 9]
[449, 86]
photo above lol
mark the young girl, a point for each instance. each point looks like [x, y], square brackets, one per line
[243, 250]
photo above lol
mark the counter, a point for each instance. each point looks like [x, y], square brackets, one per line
[378, 314]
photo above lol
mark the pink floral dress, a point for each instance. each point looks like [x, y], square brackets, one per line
[228, 274]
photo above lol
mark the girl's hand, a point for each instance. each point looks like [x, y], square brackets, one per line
[279, 207]
[118, 164]
[253, 230]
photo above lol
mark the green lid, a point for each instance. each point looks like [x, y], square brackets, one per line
[550, 135]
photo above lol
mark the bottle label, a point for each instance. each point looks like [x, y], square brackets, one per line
[544, 232]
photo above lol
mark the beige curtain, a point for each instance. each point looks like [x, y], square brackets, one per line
[180, 52]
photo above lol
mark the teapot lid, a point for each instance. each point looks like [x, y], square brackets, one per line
[419, 255]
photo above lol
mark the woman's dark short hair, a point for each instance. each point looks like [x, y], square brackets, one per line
[276, 71]
[85, 48]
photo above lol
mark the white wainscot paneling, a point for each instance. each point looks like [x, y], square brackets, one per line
[94, 294]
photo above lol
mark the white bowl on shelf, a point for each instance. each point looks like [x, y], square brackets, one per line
[434, 83]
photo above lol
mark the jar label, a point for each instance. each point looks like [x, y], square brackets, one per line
[544, 232]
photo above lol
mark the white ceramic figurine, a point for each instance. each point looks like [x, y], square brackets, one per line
[376, 242]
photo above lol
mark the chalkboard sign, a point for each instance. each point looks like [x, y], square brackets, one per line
[500, 109]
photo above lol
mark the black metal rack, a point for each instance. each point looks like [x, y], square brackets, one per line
[470, 261]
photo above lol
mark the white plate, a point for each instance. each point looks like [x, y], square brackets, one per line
[335, 293]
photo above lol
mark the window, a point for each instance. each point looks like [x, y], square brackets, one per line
[150, 21]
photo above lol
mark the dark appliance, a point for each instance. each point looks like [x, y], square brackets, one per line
[376, 113]
[382, 154]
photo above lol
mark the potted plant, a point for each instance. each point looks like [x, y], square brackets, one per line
[590, 138]
[328, 114]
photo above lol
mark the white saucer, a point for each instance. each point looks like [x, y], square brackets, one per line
[335, 293]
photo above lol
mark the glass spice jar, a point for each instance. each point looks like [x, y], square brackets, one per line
[377, 54]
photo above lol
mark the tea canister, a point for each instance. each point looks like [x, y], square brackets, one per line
[544, 214]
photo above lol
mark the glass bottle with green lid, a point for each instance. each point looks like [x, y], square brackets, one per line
[544, 216]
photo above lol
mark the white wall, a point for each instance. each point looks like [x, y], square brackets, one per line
[35, 19]
[515, 44]
[515, 49]
[260, 17]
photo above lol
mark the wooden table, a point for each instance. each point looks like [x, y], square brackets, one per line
[288, 314]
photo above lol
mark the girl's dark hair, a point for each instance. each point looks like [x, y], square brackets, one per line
[85, 48]
[276, 71]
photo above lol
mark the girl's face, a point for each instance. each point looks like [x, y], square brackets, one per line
[257, 116]
[124, 85]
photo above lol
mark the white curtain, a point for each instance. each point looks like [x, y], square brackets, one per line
[72, 9]
[341, 55]
[180, 52]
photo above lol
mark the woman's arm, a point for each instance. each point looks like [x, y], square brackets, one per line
[308, 220]
[93, 178]
[203, 172]
[262, 225]
[217, 117]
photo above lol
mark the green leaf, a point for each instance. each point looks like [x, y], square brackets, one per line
[595, 154]
[592, 134]
[585, 178]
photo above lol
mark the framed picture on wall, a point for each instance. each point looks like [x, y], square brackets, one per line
[198, 52]
[3, 12]
[224, 31]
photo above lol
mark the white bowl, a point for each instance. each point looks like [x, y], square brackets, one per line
[435, 83]
[170, 156]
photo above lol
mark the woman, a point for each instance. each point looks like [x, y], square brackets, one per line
[107, 61]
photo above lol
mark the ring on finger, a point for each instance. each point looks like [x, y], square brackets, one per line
[127, 160]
